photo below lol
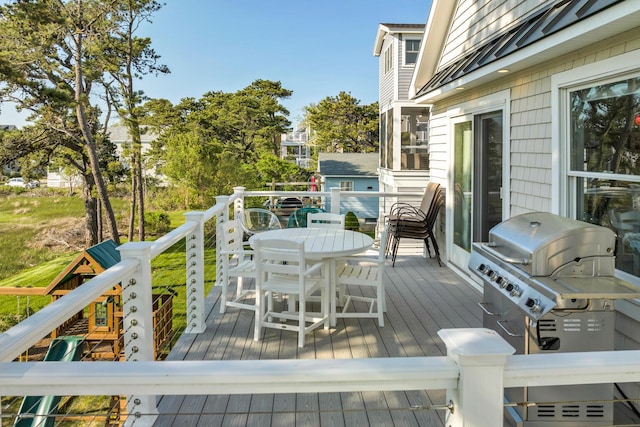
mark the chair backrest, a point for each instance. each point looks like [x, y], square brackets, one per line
[434, 209]
[430, 192]
[278, 256]
[325, 220]
[255, 220]
[298, 218]
[231, 234]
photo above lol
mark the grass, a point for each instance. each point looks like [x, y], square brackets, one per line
[26, 216]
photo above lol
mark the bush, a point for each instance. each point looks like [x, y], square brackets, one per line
[351, 222]
[157, 222]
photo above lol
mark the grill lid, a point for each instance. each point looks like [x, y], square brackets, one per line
[541, 242]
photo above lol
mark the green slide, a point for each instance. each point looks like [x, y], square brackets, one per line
[36, 411]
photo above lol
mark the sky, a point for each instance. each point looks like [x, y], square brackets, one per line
[314, 48]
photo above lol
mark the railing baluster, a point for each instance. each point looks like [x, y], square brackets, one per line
[195, 274]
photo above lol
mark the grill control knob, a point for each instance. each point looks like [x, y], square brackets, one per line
[508, 287]
[502, 282]
[482, 268]
[515, 291]
[492, 275]
[534, 305]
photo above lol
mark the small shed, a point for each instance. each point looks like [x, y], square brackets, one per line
[351, 172]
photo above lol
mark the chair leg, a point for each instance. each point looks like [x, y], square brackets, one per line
[394, 250]
[259, 315]
[435, 248]
[301, 322]
[223, 293]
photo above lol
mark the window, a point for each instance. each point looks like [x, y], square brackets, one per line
[388, 59]
[346, 185]
[414, 139]
[411, 49]
[603, 161]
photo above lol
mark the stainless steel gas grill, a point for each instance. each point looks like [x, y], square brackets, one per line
[549, 286]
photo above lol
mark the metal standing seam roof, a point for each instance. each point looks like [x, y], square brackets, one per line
[546, 22]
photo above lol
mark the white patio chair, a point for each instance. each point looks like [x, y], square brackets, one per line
[363, 272]
[325, 220]
[236, 262]
[281, 269]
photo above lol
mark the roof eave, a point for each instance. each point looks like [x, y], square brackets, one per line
[434, 36]
[614, 20]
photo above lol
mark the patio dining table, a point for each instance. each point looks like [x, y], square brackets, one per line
[325, 245]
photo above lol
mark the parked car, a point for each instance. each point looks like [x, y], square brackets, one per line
[32, 184]
[16, 182]
[19, 182]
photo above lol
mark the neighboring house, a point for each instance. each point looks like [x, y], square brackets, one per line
[535, 107]
[404, 153]
[351, 172]
[294, 146]
[119, 135]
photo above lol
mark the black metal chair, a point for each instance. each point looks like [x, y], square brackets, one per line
[408, 222]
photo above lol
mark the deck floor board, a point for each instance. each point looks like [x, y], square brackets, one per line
[422, 298]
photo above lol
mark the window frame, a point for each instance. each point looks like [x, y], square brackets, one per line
[564, 179]
[406, 41]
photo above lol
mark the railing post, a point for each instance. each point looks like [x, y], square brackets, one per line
[481, 355]
[221, 219]
[137, 310]
[195, 275]
[238, 203]
[335, 200]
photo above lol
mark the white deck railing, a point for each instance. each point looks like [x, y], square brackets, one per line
[477, 368]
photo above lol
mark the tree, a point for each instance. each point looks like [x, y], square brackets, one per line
[46, 67]
[340, 123]
[127, 57]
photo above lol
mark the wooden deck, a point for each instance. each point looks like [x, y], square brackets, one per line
[422, 298]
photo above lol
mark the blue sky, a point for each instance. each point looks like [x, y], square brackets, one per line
[315, 48]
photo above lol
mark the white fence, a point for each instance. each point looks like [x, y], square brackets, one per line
[477, 368]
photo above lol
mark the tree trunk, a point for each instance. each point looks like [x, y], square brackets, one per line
[91, 213]
[92, 150]
[132, 207]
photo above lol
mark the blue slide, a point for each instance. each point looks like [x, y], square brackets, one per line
[36, 411]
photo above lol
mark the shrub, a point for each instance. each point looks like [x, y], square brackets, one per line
[157, 222]
[351, 222]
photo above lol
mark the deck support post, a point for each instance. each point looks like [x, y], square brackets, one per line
[481, 355]
[238, 203]
[137, 307]
[220, 219]
[335, 200]
[195, 275]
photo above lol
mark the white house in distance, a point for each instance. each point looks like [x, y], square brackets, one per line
[404, 152]
[119, 136]
[534, 106]
[294, 146]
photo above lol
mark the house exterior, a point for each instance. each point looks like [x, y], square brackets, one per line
[294, 147]
[404, 153]
[351, 172]
[534, 106]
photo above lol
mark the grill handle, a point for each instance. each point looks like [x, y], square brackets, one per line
[489, 248]
[483, 306]
[506, 331]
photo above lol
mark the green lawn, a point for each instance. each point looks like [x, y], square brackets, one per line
[26, 217]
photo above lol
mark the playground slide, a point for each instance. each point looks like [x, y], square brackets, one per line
[35, 410]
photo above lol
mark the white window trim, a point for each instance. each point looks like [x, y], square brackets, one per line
[495, 101]
[404, 52]
[561, 83]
